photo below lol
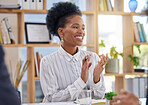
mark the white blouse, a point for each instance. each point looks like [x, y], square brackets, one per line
[60, 76]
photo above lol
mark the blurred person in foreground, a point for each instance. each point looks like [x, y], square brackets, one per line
[8, 95]
[127, 98]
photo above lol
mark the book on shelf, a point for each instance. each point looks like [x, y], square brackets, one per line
[38, 58]
[39, 4]
[9, 30]
[136, 33]
[137, 86]
[33, 4]
[142, 69]
[105, 5]
[6, 32]
[101, 7]
[17, 6]
[25, 4]
[143, 33]
[132, 85]
[141, 87]
[139, 32]
[109, 5]
[1, 38]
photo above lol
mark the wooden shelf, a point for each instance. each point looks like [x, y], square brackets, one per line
[30, 45]
[14, 45]
[12, 11]
[37, 78]
[120, 13]
[138, 14]
[116, 74]
[35, 11]
[112, 13]
[88, 12]
[40, 45]
[136, 73]
[141, 43]
[113, 74]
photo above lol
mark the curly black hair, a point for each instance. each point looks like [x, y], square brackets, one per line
[57, 16]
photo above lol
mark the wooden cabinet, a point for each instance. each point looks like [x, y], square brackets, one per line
[92, 43]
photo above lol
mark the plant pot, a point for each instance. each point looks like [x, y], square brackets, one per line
[110, 102]
[112, 66]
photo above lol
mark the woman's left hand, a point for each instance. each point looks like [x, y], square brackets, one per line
[99, 68]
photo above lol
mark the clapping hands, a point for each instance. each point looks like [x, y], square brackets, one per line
[97, 70]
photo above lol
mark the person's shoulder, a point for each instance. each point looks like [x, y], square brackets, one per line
[49, 57]
[88, 52]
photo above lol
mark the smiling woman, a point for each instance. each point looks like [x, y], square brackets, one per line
[66, 71]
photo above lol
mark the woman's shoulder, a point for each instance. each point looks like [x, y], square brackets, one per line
[88, 52]
[49, 57]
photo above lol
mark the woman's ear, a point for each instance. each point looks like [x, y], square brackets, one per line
[60, 31]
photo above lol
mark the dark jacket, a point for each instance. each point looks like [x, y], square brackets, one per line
[8, 95]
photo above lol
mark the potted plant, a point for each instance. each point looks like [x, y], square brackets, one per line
[135, 59]
[109, 97]
[113, 63]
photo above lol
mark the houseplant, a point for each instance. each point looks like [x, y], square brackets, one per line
[135, 59]
[109, 97]
[113, 63]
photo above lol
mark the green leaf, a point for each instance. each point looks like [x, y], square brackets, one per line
[102, 44]
[138, 47]
[110, 95]
[135, 60]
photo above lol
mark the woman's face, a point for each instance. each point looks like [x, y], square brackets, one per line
[74, 31]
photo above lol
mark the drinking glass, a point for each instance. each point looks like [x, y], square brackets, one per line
[84, 97]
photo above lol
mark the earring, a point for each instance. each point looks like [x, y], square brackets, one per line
[62, 40]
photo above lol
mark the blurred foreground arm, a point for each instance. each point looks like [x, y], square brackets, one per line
[126, 98]
[8, 94]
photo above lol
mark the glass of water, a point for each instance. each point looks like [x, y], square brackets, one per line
[84, 97]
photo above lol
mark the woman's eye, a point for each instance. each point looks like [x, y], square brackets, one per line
[75, 27]
[83, 28]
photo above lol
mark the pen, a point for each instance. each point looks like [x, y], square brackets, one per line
[86, 58]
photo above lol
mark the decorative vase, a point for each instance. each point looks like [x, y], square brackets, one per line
[132, 5]
[112, 66]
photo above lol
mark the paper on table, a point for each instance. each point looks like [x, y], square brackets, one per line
[98, 102]
[53, 103]
[93, 101]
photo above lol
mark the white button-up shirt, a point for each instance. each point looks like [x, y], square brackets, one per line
[60, 76]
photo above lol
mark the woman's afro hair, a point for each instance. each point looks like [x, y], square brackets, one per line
[57, 16]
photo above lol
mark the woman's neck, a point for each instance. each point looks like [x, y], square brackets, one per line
[70, 50]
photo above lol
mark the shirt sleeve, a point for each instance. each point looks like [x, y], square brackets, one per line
[98, 89]
[50, 87]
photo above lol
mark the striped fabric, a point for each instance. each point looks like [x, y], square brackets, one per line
[60, 76]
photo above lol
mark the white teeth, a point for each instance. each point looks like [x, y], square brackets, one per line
[79, 37]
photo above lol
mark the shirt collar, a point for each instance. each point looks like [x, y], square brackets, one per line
[68, 56]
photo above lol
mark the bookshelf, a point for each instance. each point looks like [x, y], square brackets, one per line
[92, 12]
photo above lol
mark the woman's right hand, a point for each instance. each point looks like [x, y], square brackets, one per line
[85, 68]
